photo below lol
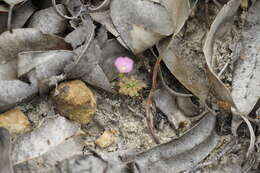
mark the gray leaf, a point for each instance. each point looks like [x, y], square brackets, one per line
[140, 23]
[48, 21]
[24, 40]
[40, 140]
[181, 154]
[246, 80]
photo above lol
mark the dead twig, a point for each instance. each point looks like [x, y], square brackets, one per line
[175, 93]
[9, 20]
[251, 130]
[223, 69]
[70, 68]
[65, 16]
[149, 116]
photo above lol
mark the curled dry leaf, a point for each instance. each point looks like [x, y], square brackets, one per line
[40, 141]
[141, 24]
[5, 151]
[20, 16]
[12, 90]
[179, 155]
[103, 5]
[246, 80]
[217, 87]
[167, 104]
[48, 21]
[185, 67]
[179, 11]
[11, 44]
[65, 150]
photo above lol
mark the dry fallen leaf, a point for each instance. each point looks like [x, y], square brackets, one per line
[167, 104]
[12, 90]
[179, 155]
[40, 141]
[217, 87]
[140, 23]
[179, 11]
[11, 44]
[48, 21]
[65, 150]
[246, 80]
[185, 67]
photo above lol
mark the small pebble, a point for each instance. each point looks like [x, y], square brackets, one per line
[75, 101]
[106, 139]
[15, 121]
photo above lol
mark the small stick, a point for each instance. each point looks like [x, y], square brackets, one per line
[82, 52]
[175, 93]
[171, 90]
[9, 20]
[65, 16]
[250, 128]
[223, 69]
[149, 117]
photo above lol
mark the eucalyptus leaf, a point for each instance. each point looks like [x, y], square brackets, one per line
[246, 80]
[40, 141]
[141, 24]
[11, 44]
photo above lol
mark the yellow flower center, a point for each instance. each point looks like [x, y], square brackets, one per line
[124, 67]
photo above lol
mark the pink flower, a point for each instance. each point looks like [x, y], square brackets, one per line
[124, 64]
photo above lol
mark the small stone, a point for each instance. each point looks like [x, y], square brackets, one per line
[106, 139]
[75, 101]
[15, 121]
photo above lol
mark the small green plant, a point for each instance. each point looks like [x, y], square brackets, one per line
[128, 85]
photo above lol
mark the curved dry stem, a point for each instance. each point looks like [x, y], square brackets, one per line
[251, 130]
[175, 93]
[149, 116]
[83, 51]
[63, 15]
[9, 20]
